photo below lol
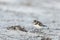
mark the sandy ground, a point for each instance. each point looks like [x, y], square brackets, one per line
[23, 12]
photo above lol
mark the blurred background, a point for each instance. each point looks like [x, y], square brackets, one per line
[23, 12]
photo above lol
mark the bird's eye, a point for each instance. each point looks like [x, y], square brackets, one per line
[34, 20]
[14, 28]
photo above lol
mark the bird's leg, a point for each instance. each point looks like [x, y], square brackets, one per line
[41, 30]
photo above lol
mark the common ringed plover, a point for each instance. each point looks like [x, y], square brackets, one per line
[38, 24]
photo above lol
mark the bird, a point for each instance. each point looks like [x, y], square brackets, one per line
[38, 24]
[16, 27]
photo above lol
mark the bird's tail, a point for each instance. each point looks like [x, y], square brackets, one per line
[44, 25]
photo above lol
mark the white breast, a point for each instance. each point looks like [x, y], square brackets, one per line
[37, 26]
